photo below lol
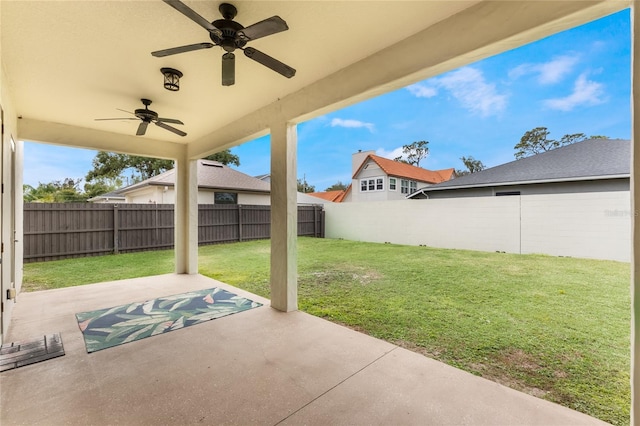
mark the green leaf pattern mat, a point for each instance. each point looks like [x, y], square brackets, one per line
[115, 326]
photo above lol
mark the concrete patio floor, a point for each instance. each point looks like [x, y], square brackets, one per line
[256, 367]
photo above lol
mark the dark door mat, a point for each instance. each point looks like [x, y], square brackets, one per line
[18, 354]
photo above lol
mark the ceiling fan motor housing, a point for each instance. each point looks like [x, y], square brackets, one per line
[146, 114]
[228, 40]
[230, 35]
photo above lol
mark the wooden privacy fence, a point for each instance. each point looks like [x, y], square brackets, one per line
[66, 230]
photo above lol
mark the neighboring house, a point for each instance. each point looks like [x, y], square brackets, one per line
[217, 184]
[595, 165]
[330, 196]
[109, 198]
[379, 179]
[571, 201]
[265, 177]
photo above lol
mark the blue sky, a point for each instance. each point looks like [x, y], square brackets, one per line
[577, 81]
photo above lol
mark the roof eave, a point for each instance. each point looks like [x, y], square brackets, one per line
[523, 182]
[234, 189]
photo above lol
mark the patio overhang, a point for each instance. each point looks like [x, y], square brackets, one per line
[64, 64]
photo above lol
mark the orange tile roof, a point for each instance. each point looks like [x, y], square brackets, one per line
[328, 195]
[447, 174]
[334, 196]
[403, 170]
[340, 198]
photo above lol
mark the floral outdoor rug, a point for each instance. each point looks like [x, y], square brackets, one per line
[110, 327]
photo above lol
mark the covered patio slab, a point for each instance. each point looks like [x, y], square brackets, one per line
[256, 367]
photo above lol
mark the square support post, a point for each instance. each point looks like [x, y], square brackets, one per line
[284, 217]
[635, 205]
[186, 216]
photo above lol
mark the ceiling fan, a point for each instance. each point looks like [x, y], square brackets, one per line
[147, 116]
[231, 35]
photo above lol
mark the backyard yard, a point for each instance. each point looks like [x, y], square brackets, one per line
[557, 328]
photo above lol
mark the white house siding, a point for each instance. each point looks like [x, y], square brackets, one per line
[588, 225]
[369, 170]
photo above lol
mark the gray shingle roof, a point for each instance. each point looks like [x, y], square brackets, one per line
[113, 195]
[590, 159]
[211, 174]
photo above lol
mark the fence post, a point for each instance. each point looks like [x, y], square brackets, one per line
[239, 222]
[115, 228]
[315, 221]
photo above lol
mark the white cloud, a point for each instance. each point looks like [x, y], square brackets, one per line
[548, 72]
[395, 153]
[470, 88]
[421, 91]
[585, 92]
[352, 124]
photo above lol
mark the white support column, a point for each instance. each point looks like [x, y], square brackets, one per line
[284, 217]
[186, 215]
[635, 205]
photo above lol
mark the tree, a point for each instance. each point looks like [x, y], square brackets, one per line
[101, 186]
[338, 186]
[109, 165]
[413, 153]
[225, 157]
[65, 191]
[472, 165]
[303, 186]
[536, 141]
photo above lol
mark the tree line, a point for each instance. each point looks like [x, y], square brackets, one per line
[111, 170]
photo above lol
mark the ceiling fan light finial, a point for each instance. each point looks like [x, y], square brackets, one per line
[171, 79]
[228, 11]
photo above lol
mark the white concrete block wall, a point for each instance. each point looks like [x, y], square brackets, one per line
[589, 225]
[489, 224]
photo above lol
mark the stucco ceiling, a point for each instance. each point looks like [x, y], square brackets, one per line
[71, 62]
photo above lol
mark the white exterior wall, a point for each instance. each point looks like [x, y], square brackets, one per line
[591, 225]
[487, 224]
[254, 199]
[588, 225]
[11, 230]
[150, 195]
[159, 195]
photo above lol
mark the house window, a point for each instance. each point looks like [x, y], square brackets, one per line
[392, 184]
[225, 198]
[408, 186]
[404, 186]
[373, 184]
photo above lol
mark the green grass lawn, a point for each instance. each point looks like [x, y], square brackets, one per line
[556, 328]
